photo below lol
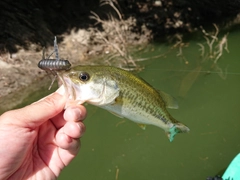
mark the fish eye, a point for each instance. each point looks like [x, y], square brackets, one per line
[84, 76]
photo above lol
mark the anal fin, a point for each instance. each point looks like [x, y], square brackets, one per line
[142, 126]
[118, 115]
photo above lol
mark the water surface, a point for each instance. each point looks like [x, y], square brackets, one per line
[209, 101]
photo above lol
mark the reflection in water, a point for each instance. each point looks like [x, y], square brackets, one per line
[188, 81]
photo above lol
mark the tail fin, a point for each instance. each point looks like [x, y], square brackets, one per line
[177, 128]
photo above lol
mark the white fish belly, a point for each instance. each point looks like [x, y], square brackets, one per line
[137, 116]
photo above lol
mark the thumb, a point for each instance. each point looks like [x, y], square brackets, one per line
[37, 113]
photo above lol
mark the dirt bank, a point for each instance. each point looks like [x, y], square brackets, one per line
[29, 26]
[20, 75]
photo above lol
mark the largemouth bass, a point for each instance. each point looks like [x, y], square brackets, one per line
[123, 94]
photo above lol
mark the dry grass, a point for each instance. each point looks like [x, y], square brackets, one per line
[114, 44]
[117, 35]
[214, 49]
[210, 51]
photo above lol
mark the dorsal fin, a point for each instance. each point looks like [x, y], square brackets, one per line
[170, 101]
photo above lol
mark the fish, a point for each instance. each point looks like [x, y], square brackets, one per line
[122, 93]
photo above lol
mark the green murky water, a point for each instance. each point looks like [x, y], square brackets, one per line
[209, 101]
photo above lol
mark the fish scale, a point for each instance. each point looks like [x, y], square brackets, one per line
[146, 103]
[122, 93]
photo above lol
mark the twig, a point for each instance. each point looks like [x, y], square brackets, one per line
[117, 173]
[110, 2]
[213, 39]
[202, 49]
[220, 45]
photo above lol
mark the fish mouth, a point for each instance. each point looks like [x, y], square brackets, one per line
[71, 91]
[68, 85]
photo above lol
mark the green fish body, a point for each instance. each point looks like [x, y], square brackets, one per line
[123, 94]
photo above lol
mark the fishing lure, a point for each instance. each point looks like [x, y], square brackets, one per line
[53, 65]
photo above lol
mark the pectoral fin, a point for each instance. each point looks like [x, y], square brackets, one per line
[111, 92]
[170, 101]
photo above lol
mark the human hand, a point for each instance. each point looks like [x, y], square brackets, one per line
[39, 140]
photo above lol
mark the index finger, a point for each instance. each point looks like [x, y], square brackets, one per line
[35, 114]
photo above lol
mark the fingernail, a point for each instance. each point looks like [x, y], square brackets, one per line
[78, 125]
[78, 113]
[61, 90]
[82, 129]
